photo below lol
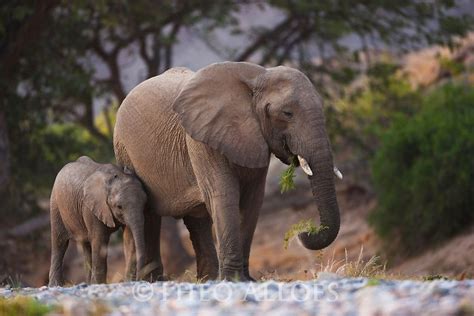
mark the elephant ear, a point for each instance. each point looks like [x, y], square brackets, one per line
[95, 197]
[215, 107]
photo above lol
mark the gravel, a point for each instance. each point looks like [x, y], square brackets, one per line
[326, 296]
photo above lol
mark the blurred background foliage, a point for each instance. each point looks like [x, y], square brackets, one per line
[363, 114]
[423, 171]
[64, 64]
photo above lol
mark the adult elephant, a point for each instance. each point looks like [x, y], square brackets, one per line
[201, 143]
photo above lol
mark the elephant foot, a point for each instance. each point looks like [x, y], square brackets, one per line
[208, 274]
[129, 278]
[247, 274]
[249, 278]
[55, 283]
[235, 276]
[152, 277]
[207, 277]
[152, 272]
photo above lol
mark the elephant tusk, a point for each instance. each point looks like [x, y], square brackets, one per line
[338, 173]
[305, 166]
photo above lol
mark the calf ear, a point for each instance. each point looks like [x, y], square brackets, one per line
[96, 190]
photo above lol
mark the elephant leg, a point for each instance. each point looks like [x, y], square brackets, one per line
[226, 218]
[250, 204]
[99, 258]
[59, 244]
[153, 270]
[87, 253]
[200, 230]
[58, 249]
[220, 188]
[130, 255]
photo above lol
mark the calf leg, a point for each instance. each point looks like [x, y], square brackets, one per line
[99, 258]
[87, 253]
[59, 244]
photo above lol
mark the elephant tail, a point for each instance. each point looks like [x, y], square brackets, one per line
[121, 155]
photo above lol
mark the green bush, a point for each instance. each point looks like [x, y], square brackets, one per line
[362, 115]
[40, 156]
[60, 143]
[424, 171]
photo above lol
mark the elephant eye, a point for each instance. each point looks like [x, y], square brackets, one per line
[287, 114]
[119, 206]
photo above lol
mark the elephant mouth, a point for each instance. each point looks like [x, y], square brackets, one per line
[287, 156]
[296, 159]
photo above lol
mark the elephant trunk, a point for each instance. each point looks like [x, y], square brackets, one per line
[137, 228]
[322, 185]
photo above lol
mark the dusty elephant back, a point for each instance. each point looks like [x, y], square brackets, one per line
[149, 139]
[67, 192]
[70, 179]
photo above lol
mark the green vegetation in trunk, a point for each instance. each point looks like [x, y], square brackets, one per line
[286, 179]
[303, 226]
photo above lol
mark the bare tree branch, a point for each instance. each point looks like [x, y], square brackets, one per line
[142, 49]
[169, 46]
[88, 122]
[108, 123]
[111, 60]
[291, 31]
[289, 47]
[156, 59]
[4, 152]
[263, 39]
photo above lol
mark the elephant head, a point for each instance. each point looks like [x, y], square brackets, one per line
[246, 112]
[113, 195]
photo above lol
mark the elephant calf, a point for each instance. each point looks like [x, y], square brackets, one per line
[89, 201]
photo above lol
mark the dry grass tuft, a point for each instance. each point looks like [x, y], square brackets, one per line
[371, 268]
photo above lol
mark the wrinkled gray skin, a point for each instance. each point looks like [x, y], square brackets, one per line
[89, 201]
[201, 143]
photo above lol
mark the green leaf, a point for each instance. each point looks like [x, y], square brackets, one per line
[286, 179]
[303, 226]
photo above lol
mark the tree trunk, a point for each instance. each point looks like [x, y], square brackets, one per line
[4, 155]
